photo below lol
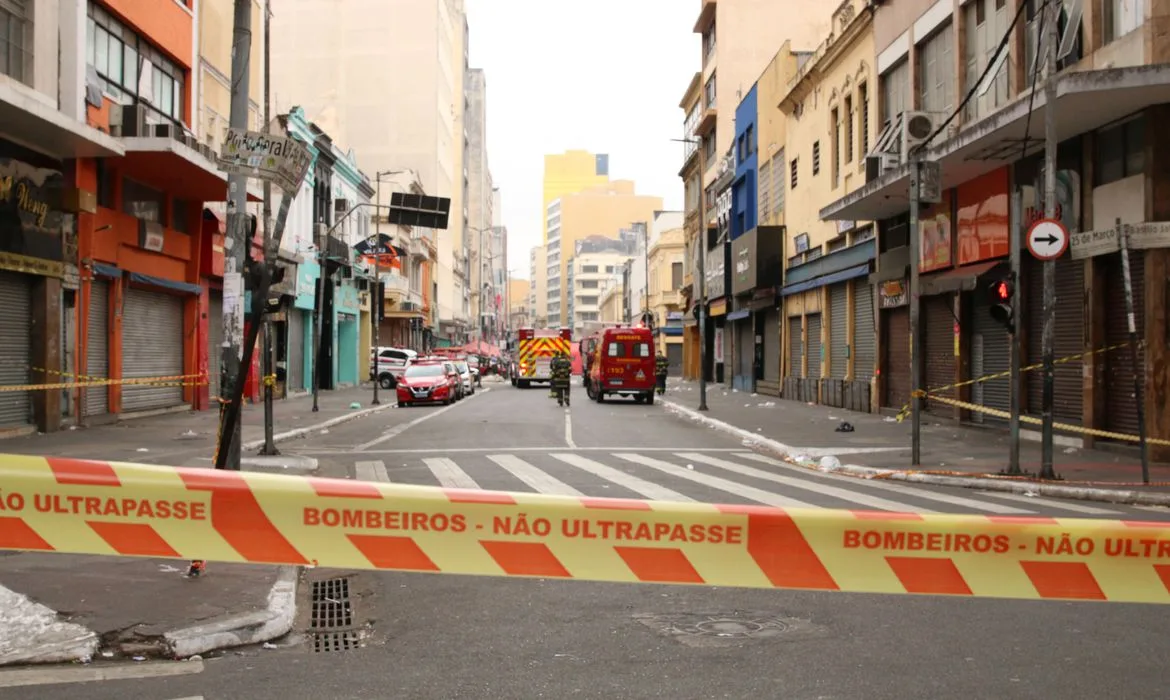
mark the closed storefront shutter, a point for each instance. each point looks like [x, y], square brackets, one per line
[15, 349]
[939, 349]
[1069, 336]
[795, 346]
[296, 350]
[990, 354]
[152, 342]
[897, 357]
[97, 347]
[772, 354]
[1120, 402]
[838, 331]
[813, 351]
[864, 334]
[214, 341]
[745, 346]
[674, 355]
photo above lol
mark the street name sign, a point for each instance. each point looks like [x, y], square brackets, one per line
[281, 160]
[1144, 236]
[1047, 239]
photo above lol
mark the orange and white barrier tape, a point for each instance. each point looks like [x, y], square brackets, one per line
[118, 509]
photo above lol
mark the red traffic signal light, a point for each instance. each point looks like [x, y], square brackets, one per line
[1002, 290]
[1001, 293]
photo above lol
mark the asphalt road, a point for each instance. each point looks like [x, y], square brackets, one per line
[426, 636]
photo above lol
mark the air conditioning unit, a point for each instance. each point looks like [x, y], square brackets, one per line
[877, 164]
[916, 129]
[340, 206]
[127, 121]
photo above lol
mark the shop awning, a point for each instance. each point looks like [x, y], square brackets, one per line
[165, 163]
[959, 279]
[1086, 100]
[737, 315]
[824, 280]
[30, 117]
[106, 270]
[186, 287]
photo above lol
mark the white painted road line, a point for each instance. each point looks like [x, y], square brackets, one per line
[97, 673]
[1049, 503]
[449, 474]
[400, 429]
[911, 491]
[438, 449]
[834, 491]
[758, 495]
[536, 479]
[636, 484]
[569, 429]
[373, 470]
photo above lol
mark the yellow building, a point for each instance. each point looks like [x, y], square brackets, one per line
[603, 210]
[216, 18]
[829, 117]
[665, 297]
[691, 174]
[612, 308]
[571, 171]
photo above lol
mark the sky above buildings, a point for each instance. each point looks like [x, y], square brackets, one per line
[605, 76]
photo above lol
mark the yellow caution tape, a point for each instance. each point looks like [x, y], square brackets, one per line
[176, 380]
[117, 509]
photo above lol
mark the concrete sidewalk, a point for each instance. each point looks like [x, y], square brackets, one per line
[57, 607]
[952, 453]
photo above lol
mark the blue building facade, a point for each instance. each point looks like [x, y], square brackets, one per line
[743, 188]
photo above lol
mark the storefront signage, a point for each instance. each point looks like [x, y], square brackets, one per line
[893, 294]
[718, 354]
[755, 259]
[150, 236]
[306, 288]
[31, 220]
[743, 263]
[347, 299]
[281, 160]
[981, 224]
[716, 273]
[934, 226]
[31, 266]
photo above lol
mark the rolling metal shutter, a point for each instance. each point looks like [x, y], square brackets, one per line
[838, 331]
[897, 357]
[1120, 402]
[795, 347]
[152, 342]
[15, 349]
[674, 356]
[864, 334]
[990, 354]
[772, 353]
[214, 341]
[1069, 336]
[97, 348]
[939, 349]
[296, 350]
[813, 349]
[745, 347]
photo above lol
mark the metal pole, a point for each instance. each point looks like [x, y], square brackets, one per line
[322, 236]
[702, 242]
[269, 447]
[376, 297]
[1048, 341]
[915, 310]
[1014, 216]
[236, 248]
[1139, 370]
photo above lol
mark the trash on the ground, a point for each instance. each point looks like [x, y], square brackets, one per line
[747, 405]
[355, 404]
[107, 654]
[691, 467]
[73, 427]
[142, 449]
[754, 394]
[324, 431]
[269, 645]
[890, 419]
[830, 462]
[195, 657]
[845, 427]
[188, 434]
[1030, 494]
[766, 404]
[1070, 450]
[140, 658]
[832, 417]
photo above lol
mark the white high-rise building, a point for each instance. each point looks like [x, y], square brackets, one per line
[387, 79]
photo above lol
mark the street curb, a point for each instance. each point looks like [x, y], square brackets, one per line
[301, 432]
[72, 642]
[240, 630]
[1033, 488]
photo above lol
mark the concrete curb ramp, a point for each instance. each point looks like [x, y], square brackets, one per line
[1051, 490]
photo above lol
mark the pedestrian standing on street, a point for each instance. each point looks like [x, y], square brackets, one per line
[661, 365]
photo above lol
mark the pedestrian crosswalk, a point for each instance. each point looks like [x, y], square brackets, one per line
[707, 476]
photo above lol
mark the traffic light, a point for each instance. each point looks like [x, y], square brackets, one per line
[1001, 293]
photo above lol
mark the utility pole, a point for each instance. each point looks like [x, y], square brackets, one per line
[376, 304]
[1139, 372]
[322, 263]
[236, 247]
[1052, 22]
[269, 447]
[1014, 225]
[702, 243]
[915, 311]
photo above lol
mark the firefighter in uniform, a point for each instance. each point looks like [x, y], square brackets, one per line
[660, 366]
[562, 372]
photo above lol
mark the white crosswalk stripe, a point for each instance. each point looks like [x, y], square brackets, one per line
[835, 491]
[755, 494]
[649, 489]
[371, 470]
[536, 479]
[1051, 503]
[449, 474]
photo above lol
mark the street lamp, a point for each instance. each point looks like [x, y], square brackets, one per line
[376, 314]
[702, 240]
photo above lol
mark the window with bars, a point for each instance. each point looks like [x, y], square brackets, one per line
[778, 183]
[816, 157]
[763, 190]
[131, 70]
[849, 128]
[835, 149]
[795, 169]
[16, 40]
[863, 119]
[936, 87]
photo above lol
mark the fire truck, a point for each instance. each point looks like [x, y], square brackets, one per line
[535, 351]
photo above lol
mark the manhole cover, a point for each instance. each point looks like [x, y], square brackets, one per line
[336, 641]
[331, 606]
[715, 629]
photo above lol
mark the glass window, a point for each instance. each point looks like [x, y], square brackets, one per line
[615, 349]
[102, 51]
[424, 371]
[642, 350]
[141, 201]
[895, 87]
[129, 68]
[937, 71]
[1120, 151]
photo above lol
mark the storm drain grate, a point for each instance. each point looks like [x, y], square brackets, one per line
[336, 641]
[331, 605]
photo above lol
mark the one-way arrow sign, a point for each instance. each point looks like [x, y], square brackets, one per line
[1047, 239]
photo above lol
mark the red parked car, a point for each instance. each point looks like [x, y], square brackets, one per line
[428, 382]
